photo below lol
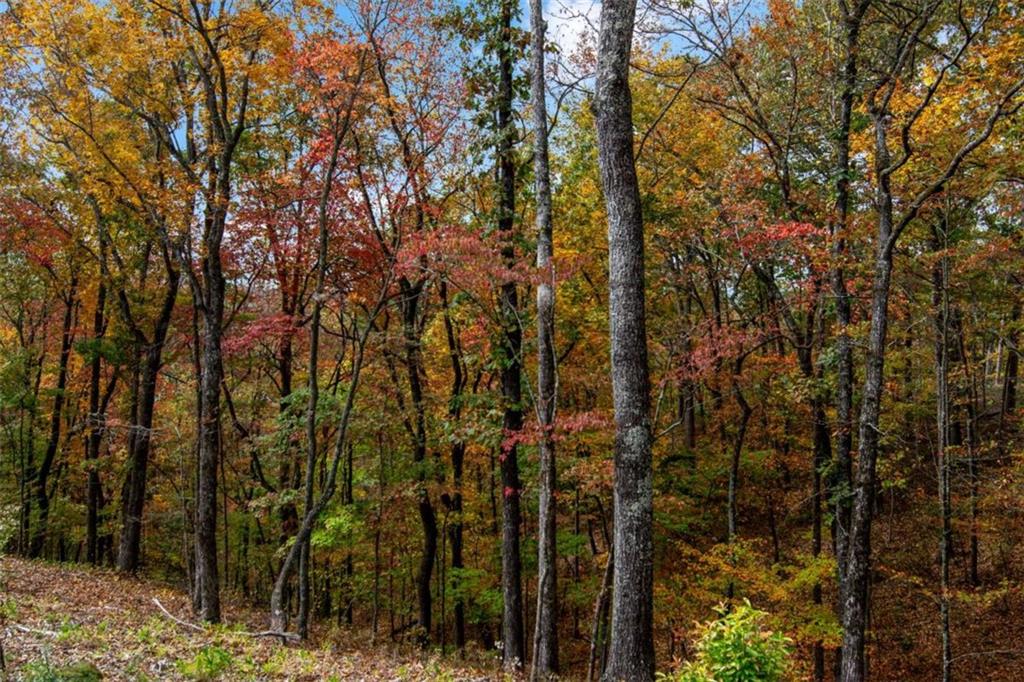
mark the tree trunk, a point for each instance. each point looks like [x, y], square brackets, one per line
[513, 636]
[854, 588]
[840, 479]
[1009, 402]
[411, 294]
[133, 494]
[42, 476]
[940, 307]
[278, 616]
[458, 457]
[97, 422]
[599, 631]
[545, 637]
[207, 581]
[631, 655]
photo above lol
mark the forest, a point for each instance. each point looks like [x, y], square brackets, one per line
[670, 339]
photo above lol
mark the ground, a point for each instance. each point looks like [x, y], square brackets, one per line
[76, 624]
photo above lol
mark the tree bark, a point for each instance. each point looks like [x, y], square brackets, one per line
[207, 581]
[940, 308]
[1009, 398]
[545, 637]
[513, 636]
[458, 456]
[854, 590]
[840, 479]
[96, 421]
[632, 641]
[42, 495]
[133, 493]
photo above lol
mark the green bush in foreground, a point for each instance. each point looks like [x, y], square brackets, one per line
[209, 664]
[43, 671]
[737, 647]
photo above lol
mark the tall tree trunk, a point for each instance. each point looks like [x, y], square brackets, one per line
[97, 422]
[513, 635]
[458, 456]
[278, 610]
[207, 580]
[133, 493]
[279, 595]
[734, 468]
[840, 480]
[1009, 401]
[545, 637]
[940, 307]
[854, 588]
[42, 495]
[631, 655]
[411, 295]
[599, 629]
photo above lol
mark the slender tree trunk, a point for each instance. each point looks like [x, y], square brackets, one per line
[278, 617]
[42, 475]
[545, 637]
[940, 307]
[133, 494]
[854, 588]
[972, 462]
[207, 580]
[599, 631]
[631, 655]
[97, 422]
[734, 468]
[822, 457]
[840, 480]
[513, 636]
[411, 295]
[458, 456]
[279, 595]
[1009, 402]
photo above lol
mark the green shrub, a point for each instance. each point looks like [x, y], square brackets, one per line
[737, 647]
[209, 664]
[43, 671]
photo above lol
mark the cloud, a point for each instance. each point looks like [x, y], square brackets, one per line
[572, 23]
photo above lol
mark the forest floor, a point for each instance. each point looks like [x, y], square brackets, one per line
[59, 622]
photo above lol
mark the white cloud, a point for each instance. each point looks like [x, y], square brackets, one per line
[572, 23]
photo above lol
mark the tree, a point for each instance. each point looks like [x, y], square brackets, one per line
[340, 83]
[545, 638]
[631, 656]
[890, 226]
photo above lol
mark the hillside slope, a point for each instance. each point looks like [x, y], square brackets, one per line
[63, 622]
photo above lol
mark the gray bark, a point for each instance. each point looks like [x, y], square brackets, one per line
[545, 637]
[632, 645]
[840, 478]
[940, 307]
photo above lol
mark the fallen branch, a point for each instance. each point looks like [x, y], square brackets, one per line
[179, 621]
[283, 636]
[34, 631]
